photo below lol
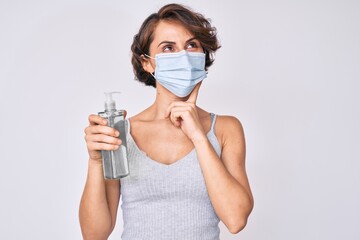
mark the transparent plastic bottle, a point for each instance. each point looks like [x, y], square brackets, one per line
[115, 162]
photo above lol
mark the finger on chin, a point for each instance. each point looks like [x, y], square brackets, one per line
[193, 95]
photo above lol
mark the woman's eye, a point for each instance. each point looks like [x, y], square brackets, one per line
[168, 48]
[192, 45]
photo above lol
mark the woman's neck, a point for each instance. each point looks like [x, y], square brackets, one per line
[158, 110]
[162, 102]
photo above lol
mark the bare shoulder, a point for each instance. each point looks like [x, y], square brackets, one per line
[139, 116]
[228, 120]
[228, 127]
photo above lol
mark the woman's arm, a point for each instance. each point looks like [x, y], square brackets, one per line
[226, 178]
[100, 199]
[99, 204]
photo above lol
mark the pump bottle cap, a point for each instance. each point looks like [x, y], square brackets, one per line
[110, 102]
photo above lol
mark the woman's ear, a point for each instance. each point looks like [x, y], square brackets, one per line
[146, 64]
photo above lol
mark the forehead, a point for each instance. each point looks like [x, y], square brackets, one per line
[171, 31]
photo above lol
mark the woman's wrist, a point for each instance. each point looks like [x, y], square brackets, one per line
[95, 162]
[201, 139]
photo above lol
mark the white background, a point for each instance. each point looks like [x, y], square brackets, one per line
[289, 70]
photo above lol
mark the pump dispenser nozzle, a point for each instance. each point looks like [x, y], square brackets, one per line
[110, 104]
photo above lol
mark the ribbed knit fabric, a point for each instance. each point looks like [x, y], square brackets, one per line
[162, 201]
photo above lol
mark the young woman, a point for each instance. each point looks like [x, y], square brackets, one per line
[187, 166]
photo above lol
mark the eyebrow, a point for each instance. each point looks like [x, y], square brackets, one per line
[170, 42]
[167, 42]
[190, 39]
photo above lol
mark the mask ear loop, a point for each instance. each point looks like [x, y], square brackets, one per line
[151, 58]
[148, 56]
[206, 52]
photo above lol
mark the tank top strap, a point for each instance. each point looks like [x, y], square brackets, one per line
[213, 120]
[127, 126]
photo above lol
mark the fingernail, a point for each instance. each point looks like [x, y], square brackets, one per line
[117, 133]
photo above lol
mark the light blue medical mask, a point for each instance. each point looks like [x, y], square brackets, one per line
[180, 72]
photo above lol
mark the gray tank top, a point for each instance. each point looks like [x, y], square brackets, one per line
[162, 201]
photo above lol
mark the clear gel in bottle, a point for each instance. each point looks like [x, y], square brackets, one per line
[115, 162]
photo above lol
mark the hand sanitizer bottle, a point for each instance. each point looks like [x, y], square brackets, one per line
[115, 162]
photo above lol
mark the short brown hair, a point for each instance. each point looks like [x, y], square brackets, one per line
[196, 23]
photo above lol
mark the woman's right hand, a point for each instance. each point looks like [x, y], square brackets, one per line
[99, 136]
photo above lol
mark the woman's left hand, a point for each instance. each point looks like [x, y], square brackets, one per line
[184, 115]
